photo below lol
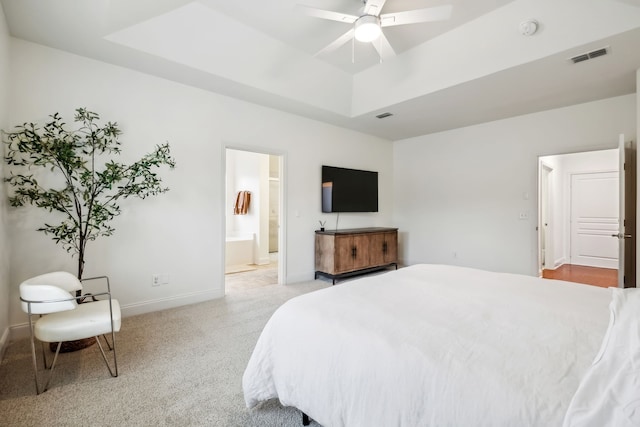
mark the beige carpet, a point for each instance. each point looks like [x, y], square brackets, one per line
[178, 367]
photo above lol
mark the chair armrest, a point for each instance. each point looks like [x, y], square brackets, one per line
[44, 299]
[105, 278]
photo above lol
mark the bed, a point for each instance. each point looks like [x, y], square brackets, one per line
[436, 345]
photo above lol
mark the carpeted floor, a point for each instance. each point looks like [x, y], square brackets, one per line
[181, 366]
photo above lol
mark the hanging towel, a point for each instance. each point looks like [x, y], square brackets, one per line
[243, 199]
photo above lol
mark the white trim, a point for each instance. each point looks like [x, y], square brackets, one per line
[301, 278]
[19, 331]
[282, 230]
[264, 260]
[560, 262]
[170, 302]
[223, 215]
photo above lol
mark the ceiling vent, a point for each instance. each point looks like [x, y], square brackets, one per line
[384, 115]
[590, 55]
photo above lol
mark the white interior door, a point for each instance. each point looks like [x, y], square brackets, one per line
[594, 219]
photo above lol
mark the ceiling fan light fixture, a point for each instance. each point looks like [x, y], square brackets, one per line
[367, 28]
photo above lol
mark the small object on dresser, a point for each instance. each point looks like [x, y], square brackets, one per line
[322, 223]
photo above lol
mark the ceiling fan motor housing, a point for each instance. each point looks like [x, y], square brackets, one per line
[367, 28]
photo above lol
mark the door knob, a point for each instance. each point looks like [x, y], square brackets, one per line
[621, 236]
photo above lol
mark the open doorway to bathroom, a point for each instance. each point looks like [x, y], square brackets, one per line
[253, 200]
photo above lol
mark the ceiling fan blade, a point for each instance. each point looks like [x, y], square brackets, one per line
[429, 14]
[383, 47]
[326, 14]
[336, 43]
[373, 7]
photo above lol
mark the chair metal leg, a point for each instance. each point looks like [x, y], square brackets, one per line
[112, 346]
[107, 341]
[113, 343]
[44, 354]
[104, 357]
[53, 364]
[33, 356]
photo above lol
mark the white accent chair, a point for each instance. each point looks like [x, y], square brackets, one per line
[52, 296]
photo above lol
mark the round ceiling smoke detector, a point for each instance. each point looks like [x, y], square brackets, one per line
[528, 27]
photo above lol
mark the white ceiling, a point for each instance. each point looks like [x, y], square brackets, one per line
[473, 68]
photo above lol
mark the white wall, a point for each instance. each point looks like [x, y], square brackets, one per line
[180, 233]
[458, 194]
[4, 243]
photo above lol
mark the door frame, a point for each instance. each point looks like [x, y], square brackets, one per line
[282, 202]
[632, 147]
[545, 173]
[628, 207]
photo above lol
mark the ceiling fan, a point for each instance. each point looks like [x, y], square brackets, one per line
[367, 27]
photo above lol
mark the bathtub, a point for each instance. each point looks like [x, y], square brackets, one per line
[239, 249]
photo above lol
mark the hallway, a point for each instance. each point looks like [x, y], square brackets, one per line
[603, 277]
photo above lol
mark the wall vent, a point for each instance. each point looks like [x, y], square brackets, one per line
[590, 55]
[383, 115]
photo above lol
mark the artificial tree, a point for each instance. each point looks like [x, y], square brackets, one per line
[87, 196]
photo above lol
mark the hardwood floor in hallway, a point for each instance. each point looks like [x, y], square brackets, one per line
[603, 277]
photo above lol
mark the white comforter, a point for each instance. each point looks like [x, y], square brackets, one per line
[609, 394]
[431, 345]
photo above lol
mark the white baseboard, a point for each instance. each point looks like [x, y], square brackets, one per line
[302, 277]
[18, 331]
[169, 302]
[559, 263]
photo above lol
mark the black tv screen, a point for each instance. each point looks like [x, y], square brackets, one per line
[349, 190]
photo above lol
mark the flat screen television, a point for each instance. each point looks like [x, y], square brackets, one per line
[349, 190]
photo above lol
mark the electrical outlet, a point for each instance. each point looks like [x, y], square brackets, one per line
[155, 280]
[524, 215]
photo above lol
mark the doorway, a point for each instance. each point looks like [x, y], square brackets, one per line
[253, 232]
[576, 228]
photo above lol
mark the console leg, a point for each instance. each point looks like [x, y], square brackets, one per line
[305, 419]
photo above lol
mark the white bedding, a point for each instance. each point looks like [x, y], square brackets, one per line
[609, 393]
[431, 345]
